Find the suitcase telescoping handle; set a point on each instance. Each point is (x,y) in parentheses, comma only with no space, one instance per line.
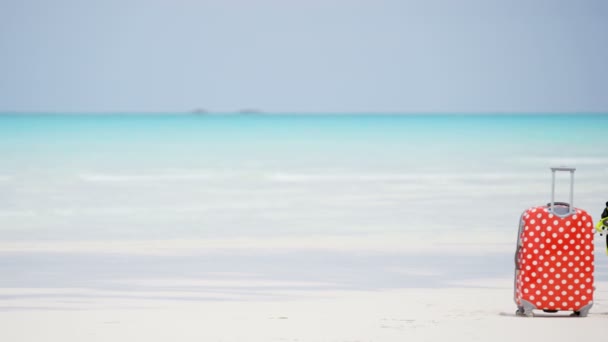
(571,170)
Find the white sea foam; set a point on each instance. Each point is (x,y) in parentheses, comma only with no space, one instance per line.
(245,282)
(561,161)
(296,177)
(149,177)
(401,177)
(465,243)
(7,213)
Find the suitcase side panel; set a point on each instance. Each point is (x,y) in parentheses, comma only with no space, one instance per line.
(555,260)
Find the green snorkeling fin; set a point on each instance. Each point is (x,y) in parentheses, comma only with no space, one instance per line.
(602,225)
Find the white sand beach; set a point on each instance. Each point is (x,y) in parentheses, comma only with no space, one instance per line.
(476,313)
(405,293)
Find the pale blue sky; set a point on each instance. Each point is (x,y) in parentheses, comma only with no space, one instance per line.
(304,55)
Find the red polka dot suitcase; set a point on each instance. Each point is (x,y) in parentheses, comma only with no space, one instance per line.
(554,257)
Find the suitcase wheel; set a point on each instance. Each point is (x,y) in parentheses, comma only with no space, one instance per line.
(521,313)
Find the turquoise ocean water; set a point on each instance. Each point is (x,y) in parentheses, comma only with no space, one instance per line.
(347,199)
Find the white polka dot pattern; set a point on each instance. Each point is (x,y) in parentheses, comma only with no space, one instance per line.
(555,260)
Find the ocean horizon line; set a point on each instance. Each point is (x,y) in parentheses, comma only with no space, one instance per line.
(302,113)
